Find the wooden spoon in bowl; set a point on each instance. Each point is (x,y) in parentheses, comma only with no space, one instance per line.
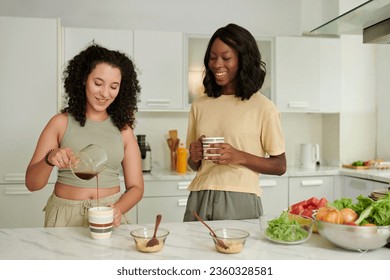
(154,241)
(219,241)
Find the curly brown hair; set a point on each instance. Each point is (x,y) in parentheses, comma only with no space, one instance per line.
(251,70)
(124,107)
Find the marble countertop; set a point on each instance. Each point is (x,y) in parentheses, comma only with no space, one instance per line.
(166,174)
(186,241)
(370,174)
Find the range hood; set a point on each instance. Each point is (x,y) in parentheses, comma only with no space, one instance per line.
(371,19)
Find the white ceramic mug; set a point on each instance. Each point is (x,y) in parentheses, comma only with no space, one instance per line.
(100,221)
(206,145)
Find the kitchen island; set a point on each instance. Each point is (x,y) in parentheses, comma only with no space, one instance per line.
(186,241)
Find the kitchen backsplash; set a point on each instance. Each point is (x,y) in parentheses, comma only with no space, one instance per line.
(298,128)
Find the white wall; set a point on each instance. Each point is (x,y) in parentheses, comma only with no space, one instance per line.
(358,106)
(383,101)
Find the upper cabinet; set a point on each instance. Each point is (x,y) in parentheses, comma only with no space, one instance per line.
(77,39)
(28,89)
(195,46)
(307,74)
(158,57)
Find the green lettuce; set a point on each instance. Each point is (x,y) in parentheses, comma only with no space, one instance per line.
(375,212)
(341,203)
(363,202)
(284,229)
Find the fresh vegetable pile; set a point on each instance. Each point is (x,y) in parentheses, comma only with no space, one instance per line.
(365,212)
(284,229)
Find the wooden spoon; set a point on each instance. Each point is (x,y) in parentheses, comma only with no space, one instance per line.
(154,241)
(219,241)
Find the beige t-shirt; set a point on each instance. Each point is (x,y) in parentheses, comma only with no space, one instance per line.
(250,125)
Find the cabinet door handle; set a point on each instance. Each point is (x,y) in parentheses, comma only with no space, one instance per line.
(312,183)
(16,190)
(182,202)
(298,104)
(14,177)
(158,102)
(268,183)
(183,185)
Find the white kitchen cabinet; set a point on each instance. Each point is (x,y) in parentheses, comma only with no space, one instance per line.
(307,74)
(158,57)
(352,187)
(381,186)
(28,89)
(330,75)
(275,194)
(77,39)
(168,198)
(20,208)
(302,188)
(195,47)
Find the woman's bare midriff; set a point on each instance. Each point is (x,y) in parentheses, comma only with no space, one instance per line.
(77,193)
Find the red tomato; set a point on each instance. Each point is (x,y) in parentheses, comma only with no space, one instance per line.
(307,213)
(322,203)
(311,207)
(296,209)
(313,201)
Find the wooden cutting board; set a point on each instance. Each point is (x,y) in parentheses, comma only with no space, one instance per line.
(355,167)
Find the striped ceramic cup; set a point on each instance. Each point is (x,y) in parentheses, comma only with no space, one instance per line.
(206,141)
(100,221)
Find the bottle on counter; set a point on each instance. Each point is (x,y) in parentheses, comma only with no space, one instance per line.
(181,165)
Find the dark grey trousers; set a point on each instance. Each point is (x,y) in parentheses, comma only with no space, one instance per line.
(222,205)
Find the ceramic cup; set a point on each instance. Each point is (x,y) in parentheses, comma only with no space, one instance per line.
(206,145)
(100,221)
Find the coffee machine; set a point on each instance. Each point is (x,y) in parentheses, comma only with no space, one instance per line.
(146,153)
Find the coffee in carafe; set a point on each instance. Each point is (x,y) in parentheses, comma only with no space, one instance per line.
(89,162)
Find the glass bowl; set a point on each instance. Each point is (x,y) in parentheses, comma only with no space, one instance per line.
(141,236)
(294,230)
(234,239)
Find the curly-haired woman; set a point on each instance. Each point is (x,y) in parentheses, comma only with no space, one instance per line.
(101,90)
(226,186)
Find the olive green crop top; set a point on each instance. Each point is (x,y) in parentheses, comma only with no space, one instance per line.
(104,134)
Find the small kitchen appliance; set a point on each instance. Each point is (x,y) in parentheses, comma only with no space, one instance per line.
(146,153)
(310,156)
